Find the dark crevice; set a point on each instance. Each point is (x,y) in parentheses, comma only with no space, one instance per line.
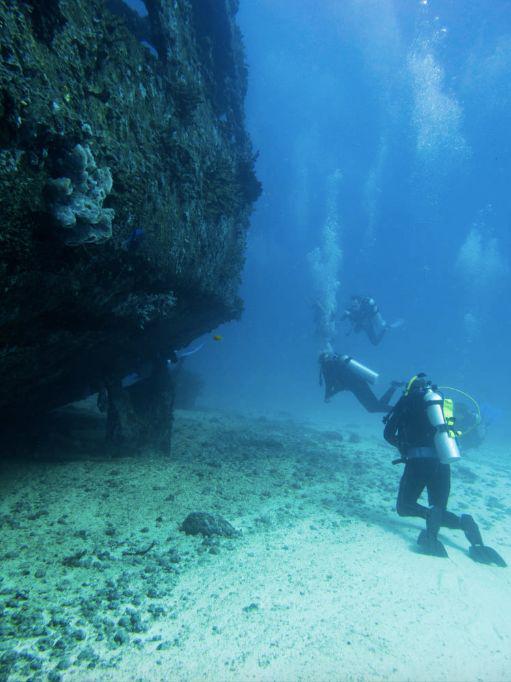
(46,19)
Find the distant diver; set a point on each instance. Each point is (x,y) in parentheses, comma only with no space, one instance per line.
(146,369)
(343,373)
(364,315)
(472,426)
(421,427)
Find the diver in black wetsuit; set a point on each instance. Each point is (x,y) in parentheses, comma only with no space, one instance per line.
(408,428)
(336,371)
(364,315)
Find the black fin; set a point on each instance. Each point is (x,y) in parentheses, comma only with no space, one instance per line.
(486,555)
(471,530)
(430,545)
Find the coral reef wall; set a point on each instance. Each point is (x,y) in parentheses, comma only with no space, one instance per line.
(126,185)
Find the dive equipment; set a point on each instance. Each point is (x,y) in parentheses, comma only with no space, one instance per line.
(445,443)
(360,370)
(478,418)
(448,410)
(419,381)
(471,530)
(486,555)
(478,551)
(431,545)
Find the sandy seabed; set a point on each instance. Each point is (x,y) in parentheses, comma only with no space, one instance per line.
(324,583)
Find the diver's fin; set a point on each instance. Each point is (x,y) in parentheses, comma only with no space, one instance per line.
(431,545)
(486,555)
(471,530)
(396,324)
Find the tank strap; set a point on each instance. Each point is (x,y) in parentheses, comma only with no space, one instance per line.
(447,428)
(433,402)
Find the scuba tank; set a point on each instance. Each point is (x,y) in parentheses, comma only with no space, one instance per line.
(360,370)
(445,442)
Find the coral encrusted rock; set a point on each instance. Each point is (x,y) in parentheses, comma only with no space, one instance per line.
(75,199)
(208,525)
(126,185)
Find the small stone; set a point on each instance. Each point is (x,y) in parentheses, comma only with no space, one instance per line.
(202,523)
(156,610)
(64,663)
(163,646)
(36,664)
(60,644)
(121,637)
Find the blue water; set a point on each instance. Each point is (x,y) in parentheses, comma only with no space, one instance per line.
(392,118)
(384,142)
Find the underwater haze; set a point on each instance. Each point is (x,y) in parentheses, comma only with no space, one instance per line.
(271,541)
(390,119)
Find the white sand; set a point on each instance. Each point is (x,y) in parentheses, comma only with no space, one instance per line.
(324,584)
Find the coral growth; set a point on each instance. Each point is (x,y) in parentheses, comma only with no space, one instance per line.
(107,114)
(142,309)
(76,198)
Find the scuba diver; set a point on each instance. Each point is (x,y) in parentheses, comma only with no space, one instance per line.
(420,425)
(343,373)
(364,315)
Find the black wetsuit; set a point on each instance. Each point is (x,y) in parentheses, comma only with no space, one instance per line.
(338,377)
(408,428)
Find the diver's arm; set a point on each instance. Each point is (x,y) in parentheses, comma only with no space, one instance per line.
(391,425)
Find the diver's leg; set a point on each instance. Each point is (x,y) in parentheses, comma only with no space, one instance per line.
(437,497)
(471,530)
(438,491)
(439,488)
(386,397)
(411,486)
(376,329)
(366,397)
(373,338)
